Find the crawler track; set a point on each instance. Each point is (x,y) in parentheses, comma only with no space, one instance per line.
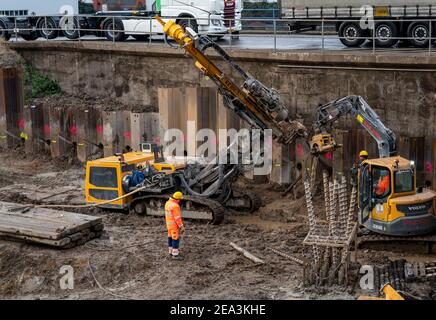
(195,208)
(255,200)
(376,238)
(244,201)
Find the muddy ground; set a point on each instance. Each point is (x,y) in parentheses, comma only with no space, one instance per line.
(130,260)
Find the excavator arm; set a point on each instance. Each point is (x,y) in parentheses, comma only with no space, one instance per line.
(329,113)
(256,103)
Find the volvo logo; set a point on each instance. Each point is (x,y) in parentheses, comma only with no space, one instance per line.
(417,208)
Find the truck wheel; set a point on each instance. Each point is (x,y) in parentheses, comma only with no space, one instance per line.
(30,37)
(418,34)
(112,30)
(47,28)
(351,35)
(141,37)
(71,31)
(386,34)
(191,23)
(4,35)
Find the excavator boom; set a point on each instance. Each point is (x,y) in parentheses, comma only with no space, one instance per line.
(256,103)
(327,114)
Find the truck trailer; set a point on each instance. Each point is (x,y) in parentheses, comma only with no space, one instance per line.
(213,17)
(356,21)
(117,19)
(34,19)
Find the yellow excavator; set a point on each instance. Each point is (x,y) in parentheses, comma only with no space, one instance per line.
(389,200)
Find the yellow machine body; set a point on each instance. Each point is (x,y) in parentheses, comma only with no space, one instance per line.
(322,143)
(390,294)
(104,176)
(401,210)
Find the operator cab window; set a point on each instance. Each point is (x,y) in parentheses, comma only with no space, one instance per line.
(404,181)
(381,182)
(103,177)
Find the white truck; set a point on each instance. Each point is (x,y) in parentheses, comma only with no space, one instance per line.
(33,19)
(214,17)
(356,21)
(116,19)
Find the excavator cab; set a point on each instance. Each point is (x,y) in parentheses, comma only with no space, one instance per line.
(110,178)
(388,199)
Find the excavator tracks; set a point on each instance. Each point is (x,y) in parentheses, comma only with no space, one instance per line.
(429,240)
(244,201)
(195,208)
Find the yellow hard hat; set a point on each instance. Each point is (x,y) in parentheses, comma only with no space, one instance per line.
(177,195)
(363,153)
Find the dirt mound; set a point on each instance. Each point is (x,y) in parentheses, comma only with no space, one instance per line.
(8,57)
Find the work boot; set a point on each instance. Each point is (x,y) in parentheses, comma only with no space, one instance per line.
(177,257)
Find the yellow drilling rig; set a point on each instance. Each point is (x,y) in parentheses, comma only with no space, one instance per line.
(209,187)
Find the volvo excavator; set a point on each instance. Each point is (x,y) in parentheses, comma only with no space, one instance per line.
(208,188)
(399,209)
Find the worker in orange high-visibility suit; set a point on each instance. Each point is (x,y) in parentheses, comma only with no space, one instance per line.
(173,220)
(383,185)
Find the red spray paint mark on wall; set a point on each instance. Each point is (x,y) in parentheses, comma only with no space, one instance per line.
(428,168)
(21,124)
(328,156)
(73,130)
(47,129)
(99,129)
(299,149)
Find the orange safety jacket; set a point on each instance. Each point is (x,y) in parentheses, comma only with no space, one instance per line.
(383,186)
(173,217)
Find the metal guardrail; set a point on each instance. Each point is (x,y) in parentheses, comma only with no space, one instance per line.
(275,38)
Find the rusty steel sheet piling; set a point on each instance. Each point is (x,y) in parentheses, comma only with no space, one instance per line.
(11,106)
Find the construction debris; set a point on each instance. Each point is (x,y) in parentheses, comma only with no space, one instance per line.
(393,273)
(54,228)
(419,270)
(289,257)
(247,254)
(330,238)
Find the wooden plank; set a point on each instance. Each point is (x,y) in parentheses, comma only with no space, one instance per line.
(50,223)
(19,225)
(44,223)
(54,243)
(69,218)
(76,236)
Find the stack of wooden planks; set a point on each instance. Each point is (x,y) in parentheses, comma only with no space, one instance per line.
(60,229)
